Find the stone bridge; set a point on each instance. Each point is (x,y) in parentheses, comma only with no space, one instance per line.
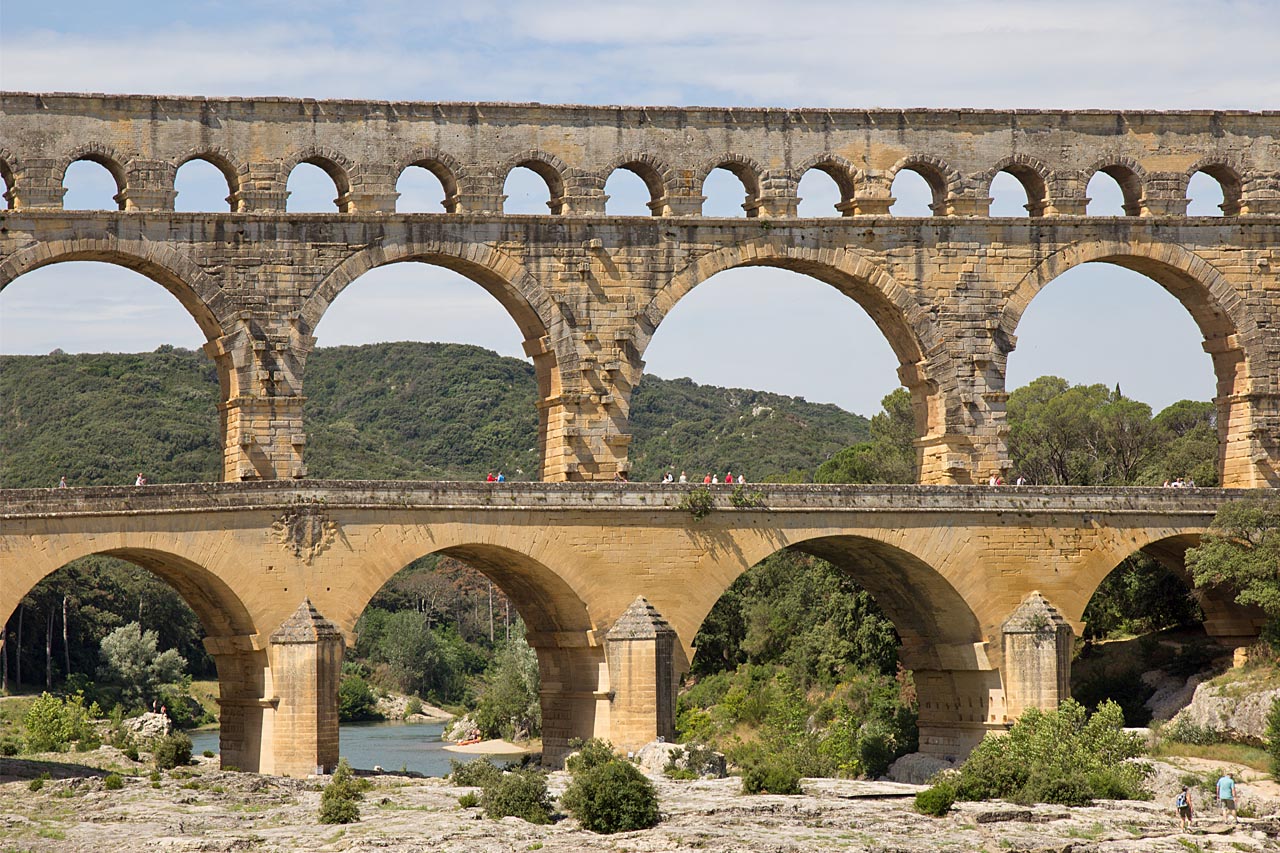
(986,586)
(588,290)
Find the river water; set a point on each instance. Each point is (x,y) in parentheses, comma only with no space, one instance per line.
(390,745)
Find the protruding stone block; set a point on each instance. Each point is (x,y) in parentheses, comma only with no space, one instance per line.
(640,650)
(1037,657)
(306,665)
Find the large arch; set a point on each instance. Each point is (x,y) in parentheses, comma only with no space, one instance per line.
(957,675)
(199,294)
(559,626)
(532,308)
(1230,330)
(1224,618)
(905,324)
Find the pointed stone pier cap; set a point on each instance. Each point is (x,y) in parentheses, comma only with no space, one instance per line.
(306,625)
(640,621)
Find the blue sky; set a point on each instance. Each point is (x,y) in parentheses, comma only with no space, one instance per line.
(1096,324)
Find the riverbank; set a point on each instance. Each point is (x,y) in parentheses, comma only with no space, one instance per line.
(496,746)
(203,808)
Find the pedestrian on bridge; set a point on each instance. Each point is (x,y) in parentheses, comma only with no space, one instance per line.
(62,483)
(141,481)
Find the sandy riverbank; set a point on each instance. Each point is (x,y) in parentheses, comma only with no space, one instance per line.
(496,747)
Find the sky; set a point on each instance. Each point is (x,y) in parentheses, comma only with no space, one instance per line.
(789,333)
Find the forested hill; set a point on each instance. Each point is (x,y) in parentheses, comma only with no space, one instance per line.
(383,411)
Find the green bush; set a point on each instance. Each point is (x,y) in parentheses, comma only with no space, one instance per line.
(171,751)
(588,754)
(412,707)
(612,797)
(113,782)
(208,753)
(340,799)
(37,783)
(774,775)
(356,700)
(469,800)
(1069,788)
(53,724)
(1273,737)
(518,793)
(131,752)
(1185,731)
(1063,756)
(936,801)
(8,746)
(472,774)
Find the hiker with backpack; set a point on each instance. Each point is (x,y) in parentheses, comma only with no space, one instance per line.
(1183,804)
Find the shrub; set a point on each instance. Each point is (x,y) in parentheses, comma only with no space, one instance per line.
(773,775)
(131,752)
(1273,736)
(612,797)
(53,724)
(171,751)
(1185,731)
(936,801)
(412,707)
(208,753)
(588,754)
(37,783)
(518,793)
(472,774)
(356,700)
(8,746)
(113,782)
(340,799)
(1068,788)
(1061,756)
(469,800)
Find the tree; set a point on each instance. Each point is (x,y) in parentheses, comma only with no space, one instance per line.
(1241,549)
(509,705)
(889,454)
(133,664)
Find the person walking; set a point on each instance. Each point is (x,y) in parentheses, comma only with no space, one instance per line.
(62,482)
(141,481)
(491,478)
(1227,797)
(1183,803)
(728,478)
(706,481)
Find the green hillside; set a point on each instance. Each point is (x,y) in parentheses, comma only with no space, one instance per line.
(383,411)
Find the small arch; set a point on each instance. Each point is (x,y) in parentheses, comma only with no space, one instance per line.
(8,171)
(550,168)
(1128,174)
(1030,173)
(655,174)
(106,157)
(447,170)
(1228,176)
(334,164)
(842,172)
(233,172)
(944,182)
(744,169)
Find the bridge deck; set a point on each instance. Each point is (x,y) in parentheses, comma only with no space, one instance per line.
(609,497)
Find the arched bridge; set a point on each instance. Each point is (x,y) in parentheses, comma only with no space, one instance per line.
(588,290)
(986,586)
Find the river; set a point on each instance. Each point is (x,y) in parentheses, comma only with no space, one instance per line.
(393,746)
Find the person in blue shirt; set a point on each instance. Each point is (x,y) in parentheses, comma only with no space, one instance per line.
(1227,796)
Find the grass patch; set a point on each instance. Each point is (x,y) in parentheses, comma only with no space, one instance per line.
(1252,757)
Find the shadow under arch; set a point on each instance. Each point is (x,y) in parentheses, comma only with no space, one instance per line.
(1231,333)
(911,334)
(558,627)
(1224,619)
(956,674)
(199,294)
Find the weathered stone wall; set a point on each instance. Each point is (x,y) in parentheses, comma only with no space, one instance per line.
(588,291)
(949,566)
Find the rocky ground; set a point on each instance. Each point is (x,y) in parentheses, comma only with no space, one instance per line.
(201,808)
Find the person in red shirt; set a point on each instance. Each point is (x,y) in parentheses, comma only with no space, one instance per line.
(491,478)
